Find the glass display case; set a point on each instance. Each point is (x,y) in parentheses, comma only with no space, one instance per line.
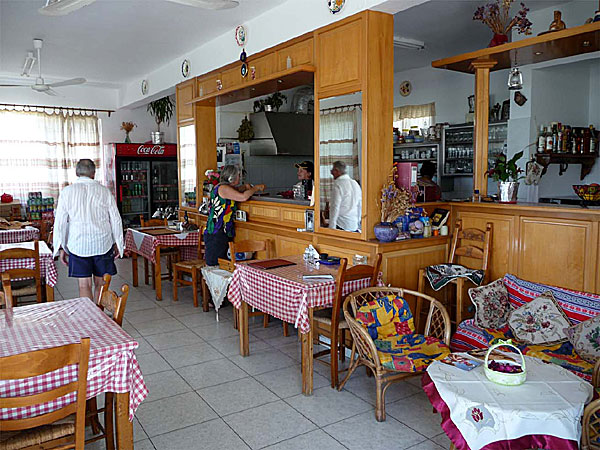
(419,153)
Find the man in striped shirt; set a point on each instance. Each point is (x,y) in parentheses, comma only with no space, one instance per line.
(88,232)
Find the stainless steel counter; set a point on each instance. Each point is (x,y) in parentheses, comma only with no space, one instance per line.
(277,199)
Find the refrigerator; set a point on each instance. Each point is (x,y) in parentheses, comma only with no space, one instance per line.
(143,178)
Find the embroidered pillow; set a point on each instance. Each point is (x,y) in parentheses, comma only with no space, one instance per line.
(539,322)
(585,338)
(492,305)
(386,317)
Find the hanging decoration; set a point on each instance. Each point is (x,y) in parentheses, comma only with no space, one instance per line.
(335,6)
(185,68)
(240,39)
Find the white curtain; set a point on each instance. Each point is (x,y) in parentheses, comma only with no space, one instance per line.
(338,136)
(39,151)
(422,116)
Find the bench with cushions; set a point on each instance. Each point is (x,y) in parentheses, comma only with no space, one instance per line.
(578,307)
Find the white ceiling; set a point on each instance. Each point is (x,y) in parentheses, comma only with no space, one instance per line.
(447,28)
(113,41)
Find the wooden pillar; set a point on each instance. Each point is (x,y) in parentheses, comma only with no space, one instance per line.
(482,110)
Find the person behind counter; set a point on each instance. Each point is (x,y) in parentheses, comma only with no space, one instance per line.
(219,226)
(432,192)
(346,200)
(306,171)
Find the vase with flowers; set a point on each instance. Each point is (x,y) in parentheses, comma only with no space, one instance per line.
(496,15)
(212,179)
(394,203)
(507,174)
(127,127)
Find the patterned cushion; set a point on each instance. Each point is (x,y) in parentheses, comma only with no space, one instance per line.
(410,353)
(386,317)
(585,338)
(578,306)
(492,306)
(541,321)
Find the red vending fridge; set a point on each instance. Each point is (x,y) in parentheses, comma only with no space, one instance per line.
(143,178)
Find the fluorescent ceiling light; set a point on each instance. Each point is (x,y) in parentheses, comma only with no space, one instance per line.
(63,7)
(411,44)
(208,4)
(29,63)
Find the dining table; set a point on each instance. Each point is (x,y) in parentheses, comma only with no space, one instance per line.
(24,234)
(113,366)
(284,293)
(147,242)
(47,265)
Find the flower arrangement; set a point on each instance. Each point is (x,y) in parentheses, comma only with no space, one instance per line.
(506,170)
(212,176)
(127,127)
(394,200)
(496,15)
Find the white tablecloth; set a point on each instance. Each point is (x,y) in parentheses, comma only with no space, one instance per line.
(217,281)
(550,402)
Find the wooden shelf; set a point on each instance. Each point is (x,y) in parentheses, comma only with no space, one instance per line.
(559,44)
(564,159)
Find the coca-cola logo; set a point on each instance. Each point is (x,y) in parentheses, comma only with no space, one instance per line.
(151,150)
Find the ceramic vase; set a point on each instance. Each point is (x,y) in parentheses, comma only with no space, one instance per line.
(498,39)
(386,232)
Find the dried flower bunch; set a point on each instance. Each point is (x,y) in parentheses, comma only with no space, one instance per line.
(394,201)
(127,126)
(496,15)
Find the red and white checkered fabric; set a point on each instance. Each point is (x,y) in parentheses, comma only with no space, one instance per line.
(146,244)
(282,292)
(112,366)
(21,235)
(47,266)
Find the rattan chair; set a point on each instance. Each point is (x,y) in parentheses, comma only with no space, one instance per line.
(43,431)
(590,437)
(191,268)
(171,253)
(364,351)
(29,279)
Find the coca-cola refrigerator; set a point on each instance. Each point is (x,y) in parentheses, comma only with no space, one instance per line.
(143,178)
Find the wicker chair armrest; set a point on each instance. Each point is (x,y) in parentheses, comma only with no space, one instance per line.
(362,340)
(596,375)
(590,424)
(438,323)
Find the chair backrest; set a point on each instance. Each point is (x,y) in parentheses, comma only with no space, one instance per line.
(40,362)
(470,250)
(250,246)
(6,297)
(201,246)
(22,273)
(153,222)
(110,301)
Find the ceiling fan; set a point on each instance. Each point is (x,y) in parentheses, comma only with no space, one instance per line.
(40,85)
(64,7)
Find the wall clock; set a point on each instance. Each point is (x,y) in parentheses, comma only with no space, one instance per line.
(405,88)
(335,6)
(144,87)
(185,68)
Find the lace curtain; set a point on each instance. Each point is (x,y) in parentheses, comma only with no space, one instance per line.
(39,151)
(338,132)
(421,116)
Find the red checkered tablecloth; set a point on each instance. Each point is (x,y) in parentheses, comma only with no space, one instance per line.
(47,266)
(282,292)
(21,235)
(112,366)
(145,244)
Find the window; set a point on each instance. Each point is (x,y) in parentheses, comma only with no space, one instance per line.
(421,116)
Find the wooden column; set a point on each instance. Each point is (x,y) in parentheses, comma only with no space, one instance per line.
(482,110)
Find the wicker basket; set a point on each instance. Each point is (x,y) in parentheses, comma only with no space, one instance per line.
(505,379)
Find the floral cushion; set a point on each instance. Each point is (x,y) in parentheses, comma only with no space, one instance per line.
(585,337)
(386,317)
(410,353)
(492,306)
(541,321)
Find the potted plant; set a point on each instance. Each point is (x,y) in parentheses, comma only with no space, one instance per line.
(394,203)
(162,111)
(507,174)
(496,15)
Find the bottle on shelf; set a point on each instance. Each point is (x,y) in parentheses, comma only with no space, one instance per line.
(548,141)
(541,147)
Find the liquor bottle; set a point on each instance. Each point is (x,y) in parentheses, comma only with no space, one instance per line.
(554,137)
(559,138)
(585,145)
(549,142)
(542,140)
(593,140)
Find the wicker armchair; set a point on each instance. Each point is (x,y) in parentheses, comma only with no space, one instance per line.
(437,325)
(590,438)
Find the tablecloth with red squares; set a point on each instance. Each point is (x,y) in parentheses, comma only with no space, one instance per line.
(145,244)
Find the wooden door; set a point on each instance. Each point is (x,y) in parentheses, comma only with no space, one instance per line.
(300,54)
(263,66)
(232,78)
(184,93)
(207,85)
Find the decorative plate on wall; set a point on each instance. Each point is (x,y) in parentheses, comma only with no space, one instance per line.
(240,35)
(185,68)
(335,6)
(144,87)
(405,88)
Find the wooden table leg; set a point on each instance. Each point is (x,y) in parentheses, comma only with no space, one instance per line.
(243,327)
(157,275)
(124,427)
(307,357)
(49,293)
(134,268)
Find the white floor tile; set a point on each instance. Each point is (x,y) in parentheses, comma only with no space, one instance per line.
(213,435)
(236,396)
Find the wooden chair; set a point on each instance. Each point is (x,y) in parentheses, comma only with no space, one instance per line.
(110,301)
(6,297)
(333,319)
(42,431)
(590,437)
(31,283)
(191,268)
(481,252)
(171,253)
(437,325)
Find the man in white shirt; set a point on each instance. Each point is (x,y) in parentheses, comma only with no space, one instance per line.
(346,200)
(88,231)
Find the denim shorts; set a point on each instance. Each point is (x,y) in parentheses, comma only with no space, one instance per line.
(86,266)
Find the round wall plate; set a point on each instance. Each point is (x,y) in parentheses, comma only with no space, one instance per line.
(240,35)
(185,68)
(244,70)
(144,87)
(335,6)
(405,88)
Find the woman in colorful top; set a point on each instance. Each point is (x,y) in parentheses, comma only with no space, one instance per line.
(219,227)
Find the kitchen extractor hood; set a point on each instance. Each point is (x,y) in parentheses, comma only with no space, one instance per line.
(282,134)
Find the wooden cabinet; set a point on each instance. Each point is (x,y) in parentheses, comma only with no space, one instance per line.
(300,54)
(232,78)
(263,66)
(207,85)
(184,93)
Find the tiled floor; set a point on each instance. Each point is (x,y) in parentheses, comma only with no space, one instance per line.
(203,394)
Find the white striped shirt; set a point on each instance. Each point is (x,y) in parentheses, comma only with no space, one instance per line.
(87,221)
